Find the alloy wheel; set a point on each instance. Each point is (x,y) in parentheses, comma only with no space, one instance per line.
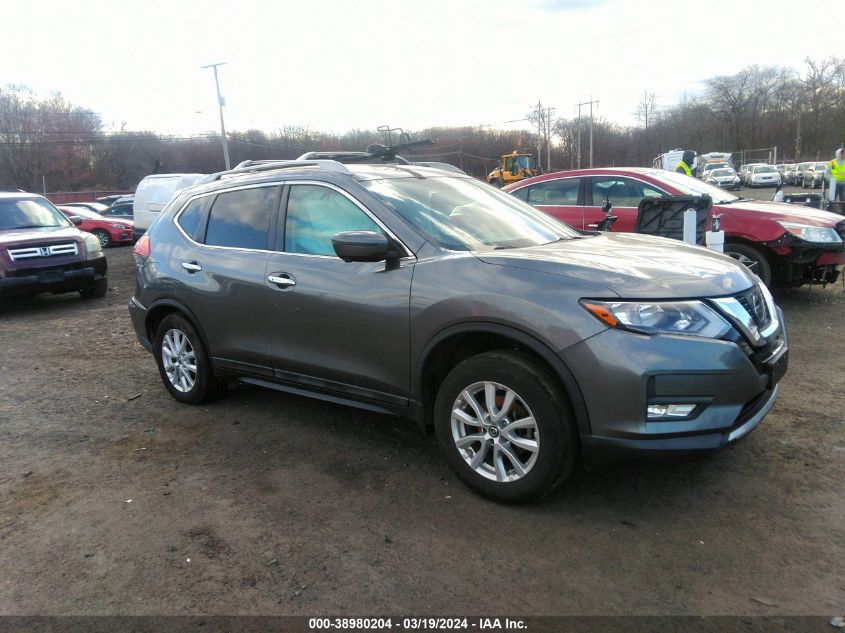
(495,432)
(179,360)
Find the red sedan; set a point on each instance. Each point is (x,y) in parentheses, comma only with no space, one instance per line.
(109,232)
(783,244)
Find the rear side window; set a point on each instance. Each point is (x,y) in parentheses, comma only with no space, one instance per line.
(190,218)
(555,192)
(315,214)
(241,219)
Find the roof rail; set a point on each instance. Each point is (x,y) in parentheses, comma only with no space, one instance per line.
(255,166)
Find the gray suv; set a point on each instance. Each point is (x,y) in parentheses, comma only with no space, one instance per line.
(525,345)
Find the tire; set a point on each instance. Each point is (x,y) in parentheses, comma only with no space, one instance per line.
(97,291)
(104,237)
(546,450)
(500,182)
(751,258)
(187,382)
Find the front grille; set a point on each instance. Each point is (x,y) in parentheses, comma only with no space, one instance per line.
(755,304)
(47,250)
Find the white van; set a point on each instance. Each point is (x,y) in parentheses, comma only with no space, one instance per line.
(153,194)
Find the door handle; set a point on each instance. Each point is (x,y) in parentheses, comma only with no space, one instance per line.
(191,267)
(283,280)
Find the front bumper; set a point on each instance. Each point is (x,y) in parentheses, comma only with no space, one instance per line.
(621,373)
(58,279)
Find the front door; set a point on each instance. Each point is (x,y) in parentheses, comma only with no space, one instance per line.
(624,194)
(342,326)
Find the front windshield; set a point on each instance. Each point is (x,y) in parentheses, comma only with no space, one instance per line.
(464,215)
(765,169)
(821,166)
(714,166)
(523,162)
(29,213)
(722,173)
(692,186)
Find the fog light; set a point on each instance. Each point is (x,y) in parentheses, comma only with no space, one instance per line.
(669,411)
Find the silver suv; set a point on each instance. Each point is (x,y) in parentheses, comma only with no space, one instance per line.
(525,345)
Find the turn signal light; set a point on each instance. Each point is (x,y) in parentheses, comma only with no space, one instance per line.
(601,312)
(142,246)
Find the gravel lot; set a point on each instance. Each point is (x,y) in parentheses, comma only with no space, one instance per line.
(115,499)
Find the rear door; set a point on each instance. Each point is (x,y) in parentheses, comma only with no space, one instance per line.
(562,198)
(624,194)
(220,274)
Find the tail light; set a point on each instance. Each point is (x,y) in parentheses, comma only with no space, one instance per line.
(142,246)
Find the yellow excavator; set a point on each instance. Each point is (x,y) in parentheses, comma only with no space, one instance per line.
(512,168)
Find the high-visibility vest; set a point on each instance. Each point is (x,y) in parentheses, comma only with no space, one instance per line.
(683,168)
(837,170)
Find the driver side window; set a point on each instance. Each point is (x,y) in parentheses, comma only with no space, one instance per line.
(315,214)
(622,192)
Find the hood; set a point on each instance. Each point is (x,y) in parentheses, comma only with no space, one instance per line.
(11,238)
(633,266)
(780,211)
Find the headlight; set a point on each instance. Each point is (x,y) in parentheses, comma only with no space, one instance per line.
(92,244)
(691,318)
(119,226)
(810,233)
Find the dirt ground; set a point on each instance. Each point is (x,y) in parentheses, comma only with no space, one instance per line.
(115,499)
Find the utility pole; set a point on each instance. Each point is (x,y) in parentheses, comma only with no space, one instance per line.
(220,103)
(544,132)
(583,103)
(579,136)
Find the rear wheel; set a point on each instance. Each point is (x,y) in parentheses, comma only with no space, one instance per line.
(104,237)
(753,259)
(504,428)
(183,363)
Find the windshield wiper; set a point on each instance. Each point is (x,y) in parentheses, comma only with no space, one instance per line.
(34,226)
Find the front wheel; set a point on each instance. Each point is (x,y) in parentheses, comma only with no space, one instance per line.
(97,291)
(104,237)
(753,259)
(504,427)
(183,364)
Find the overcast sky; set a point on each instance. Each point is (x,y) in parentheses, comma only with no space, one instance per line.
(335,65)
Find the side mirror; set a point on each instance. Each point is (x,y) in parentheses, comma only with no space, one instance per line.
(362,246)
(75,220)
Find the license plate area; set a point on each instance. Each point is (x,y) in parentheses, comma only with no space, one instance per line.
(51,276)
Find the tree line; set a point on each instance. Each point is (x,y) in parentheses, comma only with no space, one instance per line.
(48,140)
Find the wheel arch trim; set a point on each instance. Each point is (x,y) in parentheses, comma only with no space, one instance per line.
(538,347)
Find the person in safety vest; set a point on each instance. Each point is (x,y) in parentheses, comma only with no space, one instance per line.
(684,166)
(836,168)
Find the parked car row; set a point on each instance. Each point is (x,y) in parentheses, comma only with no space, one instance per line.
(110,231)
(542,316)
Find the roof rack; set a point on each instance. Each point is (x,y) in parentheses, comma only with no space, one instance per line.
(256,166)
